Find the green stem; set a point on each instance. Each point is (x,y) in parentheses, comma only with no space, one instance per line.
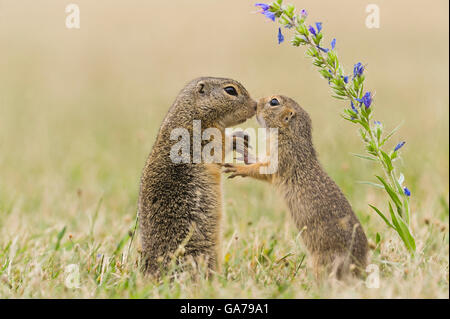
(389,175)
(343,91)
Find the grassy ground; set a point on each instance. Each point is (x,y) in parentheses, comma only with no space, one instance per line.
(79,110)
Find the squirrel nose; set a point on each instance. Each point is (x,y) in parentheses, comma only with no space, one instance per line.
(254,105)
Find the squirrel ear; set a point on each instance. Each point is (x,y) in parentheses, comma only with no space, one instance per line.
(201,87)
(288,115)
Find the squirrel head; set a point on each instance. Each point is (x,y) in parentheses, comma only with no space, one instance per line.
(220,102)
(283,113)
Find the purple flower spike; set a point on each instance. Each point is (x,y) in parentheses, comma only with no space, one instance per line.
(303,13)
(366,99)
(270,15)
(353,107)
(333,44)
(358,69)
(407,191)
(280,36)
(319,26)
(312,30)
(265,10)
(263,6)
(399,146)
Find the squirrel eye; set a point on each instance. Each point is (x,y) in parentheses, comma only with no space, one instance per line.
(231,90)
(274,102)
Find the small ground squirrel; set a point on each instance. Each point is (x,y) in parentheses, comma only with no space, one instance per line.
(329,228)
(180,205)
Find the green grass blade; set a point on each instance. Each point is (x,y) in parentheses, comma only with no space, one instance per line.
(59,237)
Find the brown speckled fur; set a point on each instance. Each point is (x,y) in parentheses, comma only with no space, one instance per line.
(181,204)
(329,228)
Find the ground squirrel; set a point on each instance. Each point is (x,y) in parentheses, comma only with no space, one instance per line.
(329,228)
(180,204)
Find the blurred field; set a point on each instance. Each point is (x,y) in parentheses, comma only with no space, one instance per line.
(79,111)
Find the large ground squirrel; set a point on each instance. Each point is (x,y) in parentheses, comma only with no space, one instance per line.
(180,204)
(329,228)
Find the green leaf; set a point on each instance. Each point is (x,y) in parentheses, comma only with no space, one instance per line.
(406,208)
(371,184)
(351,113)
(363,110)
(312,52)
(403,230)
(276,5)
(377,238)
(289,11)
(382,216)
(301,28)
(378,133)
(325,73)
(398,185)
(394,155)
(348,119)
(387,160)
(390,134)
(363,135)
(298,40)
(371,148)
(390,191)
(369,158)
(365,125)
(318,38)
(340,93)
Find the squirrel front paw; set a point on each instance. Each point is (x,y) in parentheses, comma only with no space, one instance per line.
(235,170)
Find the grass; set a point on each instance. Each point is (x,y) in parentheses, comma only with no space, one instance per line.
(79,111)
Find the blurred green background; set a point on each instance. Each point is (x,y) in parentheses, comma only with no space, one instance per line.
(80,108)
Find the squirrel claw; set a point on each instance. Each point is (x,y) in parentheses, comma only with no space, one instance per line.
(234,170)
(230,170)
(234,175)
